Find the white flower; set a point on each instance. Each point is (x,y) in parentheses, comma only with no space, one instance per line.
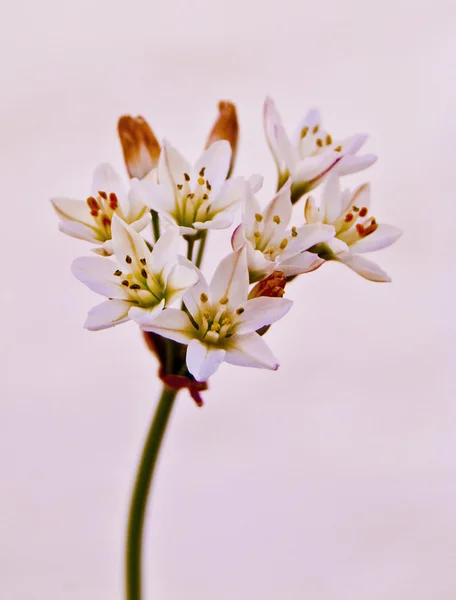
(221,323)
(195,198)
(140,284)
(312,153)
(270,245)
(356,231)
(91,219)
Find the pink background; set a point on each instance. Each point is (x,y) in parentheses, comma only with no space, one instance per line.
(332,478)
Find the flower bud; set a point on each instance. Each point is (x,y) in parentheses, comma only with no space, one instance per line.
(140,147)
(271,287)
(226,127)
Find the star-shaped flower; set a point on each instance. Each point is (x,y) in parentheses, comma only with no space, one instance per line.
(195,198)
(220,322)
(140,284)
(312,153)
(357,231)
(271,245)
(91,220)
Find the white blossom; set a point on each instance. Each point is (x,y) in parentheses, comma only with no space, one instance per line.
(357,231)
(91,220)
(271,245)
(194,198)
(140,284)
(312,153)
(220,322)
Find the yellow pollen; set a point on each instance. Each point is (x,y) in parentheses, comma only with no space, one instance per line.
(204,297)
(283,244)
(329,140)
(240,310)
(294,232)
(257,234)
(270,250)
(319,142)
(304,132)
(215,327)
(276,219)
(207,315)
(338,149)
(201,181)
(258,217)
(315,129)
(226,322)
(224,300)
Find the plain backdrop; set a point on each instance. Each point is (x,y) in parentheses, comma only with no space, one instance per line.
(333,478)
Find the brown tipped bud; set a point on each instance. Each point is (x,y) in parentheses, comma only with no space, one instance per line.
(226,127)
(271,287)
(140,147)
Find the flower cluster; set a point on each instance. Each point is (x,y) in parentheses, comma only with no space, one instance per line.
(193,326)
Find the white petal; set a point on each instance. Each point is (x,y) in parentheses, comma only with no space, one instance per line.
(260,312)
(281,207)
(164,253)
(192,298)
(336,246)
(301,263)
(238,237)
(142,222)
(331,199)
(256,182)
(107,314)
(229,196)
(144,316)
(250,207)
(172,166)
(383,236)
(157,196)
(231,279)
(259,266)
(216,162)
(106,179)
(126,242)
(73,210)
(362,266)
(179,280)
(171,323)
(313,167)
(311,211)
(250,350)
(352,164)
(361,197)
(220,221)
(79,231)
(271,119)
(311,119)
(98,274)
(307,236)
(203,361)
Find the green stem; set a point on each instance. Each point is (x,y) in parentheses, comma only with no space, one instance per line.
(202,244)
(141,492)
(190,244)
(155,224)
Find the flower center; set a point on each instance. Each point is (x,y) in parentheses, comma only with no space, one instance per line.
(193,202)
(144,288)
(217,321)
(313,141)
(102,209)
